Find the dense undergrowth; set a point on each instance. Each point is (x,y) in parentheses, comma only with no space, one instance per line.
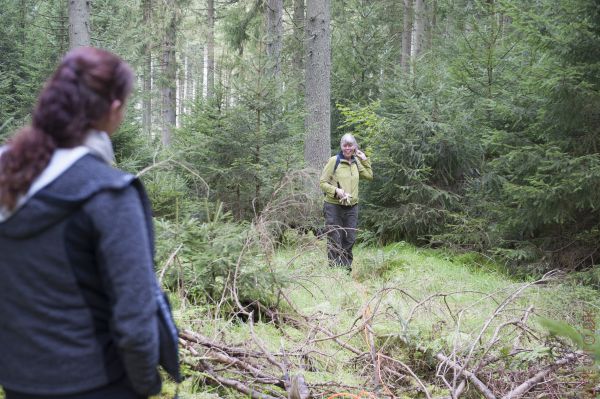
(375,332)
(407,305)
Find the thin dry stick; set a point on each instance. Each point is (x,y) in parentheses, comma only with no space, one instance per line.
(236,272)
(149,168)
(445,360)
(169,262)
(333,337)
(171,160)
(192,337)
(237,385)
(494,340)
(459,389)
(330,335)
(355,330)
(235,362)
(196,338)
(377,383)
(195,174)
(524,319)
(264,350)
(533,381)
(409,370)
(222,357)
(477,383)
(498,310)
(444,295)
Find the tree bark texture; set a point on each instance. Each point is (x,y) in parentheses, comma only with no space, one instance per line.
(406,36)
(181,75)
(199,83)
(147,74)
(168,82)
(23,24)
(210,51)
(317,145)
(298,21)
(274,11)
(79,23)
(432,26)
(419,30)
(189,81)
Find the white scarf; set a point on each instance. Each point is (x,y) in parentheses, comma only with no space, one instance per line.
(97,143)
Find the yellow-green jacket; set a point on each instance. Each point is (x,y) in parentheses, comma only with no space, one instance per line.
(346,175)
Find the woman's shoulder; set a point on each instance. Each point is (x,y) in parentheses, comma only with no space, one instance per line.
(332,159)
(88,176)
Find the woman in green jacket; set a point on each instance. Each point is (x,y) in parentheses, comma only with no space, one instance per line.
(339,182)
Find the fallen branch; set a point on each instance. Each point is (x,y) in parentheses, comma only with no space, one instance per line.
(477,383)
(533,381)
(237,385)
(409,372)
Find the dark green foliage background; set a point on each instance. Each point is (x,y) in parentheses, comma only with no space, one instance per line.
(490,143)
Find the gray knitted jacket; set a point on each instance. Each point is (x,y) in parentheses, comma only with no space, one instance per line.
(78,303)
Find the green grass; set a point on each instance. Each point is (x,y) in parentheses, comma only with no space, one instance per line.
(407,272)
(389,282)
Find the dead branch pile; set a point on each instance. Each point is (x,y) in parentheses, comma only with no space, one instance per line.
(500,361)
(503,357)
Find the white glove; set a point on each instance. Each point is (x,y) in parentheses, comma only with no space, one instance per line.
(345,200)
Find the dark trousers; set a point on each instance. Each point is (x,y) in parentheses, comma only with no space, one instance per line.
(117,390)
(340,222)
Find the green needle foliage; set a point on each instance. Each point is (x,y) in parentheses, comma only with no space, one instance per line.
(484,137)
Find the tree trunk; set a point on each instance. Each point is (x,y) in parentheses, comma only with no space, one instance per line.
(23,24)
(406,36)
(218,91)
(432,24)
(199,84)
(168,82)
(298,21)
(274,10)
(181,75)
(147,74)
(210,52)
(62,31)
(317,145)
(189,80)
(419,31)
(257,185)
(79,23)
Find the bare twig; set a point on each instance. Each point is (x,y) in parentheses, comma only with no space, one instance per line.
(411,372)
(533,381)
(168,262)
(231,383)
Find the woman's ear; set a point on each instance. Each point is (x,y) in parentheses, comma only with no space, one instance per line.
(115,105)
(114,117)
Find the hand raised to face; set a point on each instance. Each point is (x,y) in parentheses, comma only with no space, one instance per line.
(360,154)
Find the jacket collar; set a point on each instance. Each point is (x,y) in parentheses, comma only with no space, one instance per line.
(97,143)
(340,157)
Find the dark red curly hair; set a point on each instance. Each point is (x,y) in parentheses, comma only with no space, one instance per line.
(77,95)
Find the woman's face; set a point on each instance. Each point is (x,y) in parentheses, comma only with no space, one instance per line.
(113,118)
(348,149)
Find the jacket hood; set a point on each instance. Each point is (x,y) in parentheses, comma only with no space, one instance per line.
(49,200)
(61,160)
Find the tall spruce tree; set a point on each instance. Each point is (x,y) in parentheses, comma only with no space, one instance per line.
(318,83)
(79,23)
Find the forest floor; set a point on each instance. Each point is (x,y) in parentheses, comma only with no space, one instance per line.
(406,323)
